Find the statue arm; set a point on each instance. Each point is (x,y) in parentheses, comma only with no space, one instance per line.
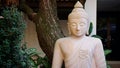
(57,57)
(99,55)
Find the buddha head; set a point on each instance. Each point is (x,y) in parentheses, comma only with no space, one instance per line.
(78,21)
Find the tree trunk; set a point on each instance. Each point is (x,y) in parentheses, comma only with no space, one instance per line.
(47,28)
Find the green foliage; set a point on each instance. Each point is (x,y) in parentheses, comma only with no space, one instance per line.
(107,51)
(97,36)
(11,34)
(90,28)
(90,31)
(35,60)
(14,54)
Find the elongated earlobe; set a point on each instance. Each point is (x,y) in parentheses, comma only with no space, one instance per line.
(87,33)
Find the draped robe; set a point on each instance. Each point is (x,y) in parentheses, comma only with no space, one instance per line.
(84,53)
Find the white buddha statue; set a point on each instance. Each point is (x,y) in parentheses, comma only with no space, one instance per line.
(78,50)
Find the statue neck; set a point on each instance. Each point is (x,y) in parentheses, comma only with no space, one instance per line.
(77,37)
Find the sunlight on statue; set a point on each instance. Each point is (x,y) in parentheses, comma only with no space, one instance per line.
(78,50)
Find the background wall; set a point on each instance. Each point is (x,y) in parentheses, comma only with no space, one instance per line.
(91,9)
(30,36)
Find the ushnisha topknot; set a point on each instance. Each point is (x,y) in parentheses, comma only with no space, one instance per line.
(78,5)
(78,12)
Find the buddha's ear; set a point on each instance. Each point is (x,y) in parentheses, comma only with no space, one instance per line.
(69,32)
(87,32)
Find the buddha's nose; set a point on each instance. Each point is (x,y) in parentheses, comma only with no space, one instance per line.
(78,27)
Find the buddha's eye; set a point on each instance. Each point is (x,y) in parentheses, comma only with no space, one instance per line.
(73,25)
(82,24)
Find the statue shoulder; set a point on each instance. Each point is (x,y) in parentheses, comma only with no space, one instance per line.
(95,39)
(61,40)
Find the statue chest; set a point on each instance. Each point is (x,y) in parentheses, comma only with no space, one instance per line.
(82,50)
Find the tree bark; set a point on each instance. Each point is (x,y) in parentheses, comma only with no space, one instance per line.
(47,27)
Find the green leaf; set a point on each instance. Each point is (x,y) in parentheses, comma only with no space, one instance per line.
(30,50)
(97,36)
(107,51)
(108,66)
(32,63)
(90,28)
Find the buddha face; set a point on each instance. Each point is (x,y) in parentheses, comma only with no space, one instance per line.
(78,27)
